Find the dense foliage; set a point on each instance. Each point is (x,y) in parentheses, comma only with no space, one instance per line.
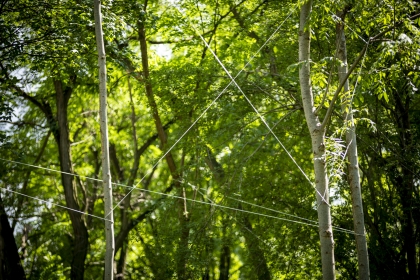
(227,199)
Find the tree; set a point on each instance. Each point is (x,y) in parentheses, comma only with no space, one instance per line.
(351,150)
(317,132)
(106,173)
(228,202)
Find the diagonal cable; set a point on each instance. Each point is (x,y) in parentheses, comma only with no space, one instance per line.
(55,204)
(258,113)
(207,108)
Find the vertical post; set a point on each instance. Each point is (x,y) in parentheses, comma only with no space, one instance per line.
(106,173)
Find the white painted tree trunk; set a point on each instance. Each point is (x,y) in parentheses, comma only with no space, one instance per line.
(106,173)
(317,132)
(353,163)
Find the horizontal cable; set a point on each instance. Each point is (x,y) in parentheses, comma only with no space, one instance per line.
(313,223)
(164,194)
(55,204)
(294,216)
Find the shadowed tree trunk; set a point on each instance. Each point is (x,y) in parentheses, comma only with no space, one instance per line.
(60,129)
(62,138)
(10,265)
(256,254)
(403,177)
(224,263)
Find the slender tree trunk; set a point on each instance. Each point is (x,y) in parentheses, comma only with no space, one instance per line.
(81,241)
(106,173)
(60,129)
(10,265)
(317,132)
(224,266)
(122,261)
(353,163)
(183,250)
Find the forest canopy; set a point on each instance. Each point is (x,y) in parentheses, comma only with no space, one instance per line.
(247,139)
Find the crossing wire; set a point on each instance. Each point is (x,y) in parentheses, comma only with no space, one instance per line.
(55,204)
(207,108)
(252,105)
(163,194)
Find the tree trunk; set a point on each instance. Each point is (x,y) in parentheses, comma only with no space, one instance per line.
(317,132)
(183,250)
(224,266)
(353,163)
(79,228)
(122,261)
(10,265)
(106,173)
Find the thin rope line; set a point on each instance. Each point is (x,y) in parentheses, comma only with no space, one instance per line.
(156,192)
(274,217)
(273,210)
(249,203)
(258,113)
(54,170)
(269,209)
(55,204)
(117,184)
(122,185)
(294,216)
(208,107)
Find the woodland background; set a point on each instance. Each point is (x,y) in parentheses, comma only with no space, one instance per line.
(227,201)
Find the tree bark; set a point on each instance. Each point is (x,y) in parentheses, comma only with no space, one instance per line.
(79,227)
(183,250)
(10,265)
(317,133)
(353,162)
(106,173)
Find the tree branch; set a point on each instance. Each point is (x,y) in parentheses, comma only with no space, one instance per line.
(340,87)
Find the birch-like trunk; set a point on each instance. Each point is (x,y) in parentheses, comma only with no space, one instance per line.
(317,132)
(353,163)
(106,173)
